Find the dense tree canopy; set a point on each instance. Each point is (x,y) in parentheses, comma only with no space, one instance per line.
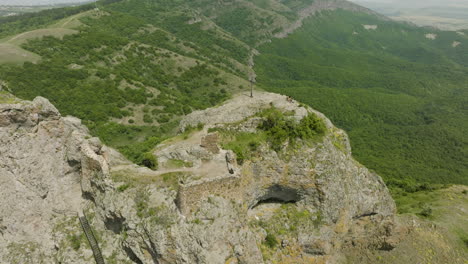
(401,96)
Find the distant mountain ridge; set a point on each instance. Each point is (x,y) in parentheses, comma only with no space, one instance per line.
(41,2)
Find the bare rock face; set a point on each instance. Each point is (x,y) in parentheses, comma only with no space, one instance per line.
(42,162)
(31,148)
(301,204)
(345,203)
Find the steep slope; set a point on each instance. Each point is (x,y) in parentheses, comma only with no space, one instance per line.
(11,51)
(136,66)
(44,159)
(437,232)
(399,90)
(304,201)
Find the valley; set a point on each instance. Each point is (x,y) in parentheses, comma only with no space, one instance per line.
(396,91)
(444,15)
(159,143)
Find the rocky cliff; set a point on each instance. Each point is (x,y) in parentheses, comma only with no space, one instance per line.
(209,202)
(43,160)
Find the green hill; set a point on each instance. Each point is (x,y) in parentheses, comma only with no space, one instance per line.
(401,92)
(129,69)
(133,67)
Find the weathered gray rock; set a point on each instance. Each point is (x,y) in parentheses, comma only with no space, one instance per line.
(215,215)
(208,210)
(41,168)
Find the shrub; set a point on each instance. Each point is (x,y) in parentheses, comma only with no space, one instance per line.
(426,211)
(147,118)
(253,145)
(134,152)
(465,241)
(281,129)
(271,241)
(410,186)
(147,159)
(240,155)
(123,187)
(75,242)
(200,126)
(163,119)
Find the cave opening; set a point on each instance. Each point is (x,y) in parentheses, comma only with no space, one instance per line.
(278,194)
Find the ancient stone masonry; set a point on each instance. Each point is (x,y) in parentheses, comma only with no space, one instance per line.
(210,142)
(191,195)
(227,185)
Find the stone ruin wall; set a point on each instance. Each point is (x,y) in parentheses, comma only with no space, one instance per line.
(191,195)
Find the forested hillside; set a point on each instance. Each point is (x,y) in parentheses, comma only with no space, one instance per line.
(401,92)
(129,69)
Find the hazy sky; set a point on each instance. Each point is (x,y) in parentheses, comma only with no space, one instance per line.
(37,2)
(415,3)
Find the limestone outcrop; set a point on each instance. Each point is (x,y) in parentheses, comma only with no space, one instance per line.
(293,204)
(43,159)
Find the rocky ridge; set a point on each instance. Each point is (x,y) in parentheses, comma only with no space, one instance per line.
(43,159)
(323,5)
(298,205)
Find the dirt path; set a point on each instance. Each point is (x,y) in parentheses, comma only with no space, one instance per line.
(207,170)
(68,21)
(20,35)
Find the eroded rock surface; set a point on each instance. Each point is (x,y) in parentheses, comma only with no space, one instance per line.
(42,160)
(299,204)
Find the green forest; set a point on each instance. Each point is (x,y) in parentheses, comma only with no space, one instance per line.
(135,67)
(121,68)
(401,97)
